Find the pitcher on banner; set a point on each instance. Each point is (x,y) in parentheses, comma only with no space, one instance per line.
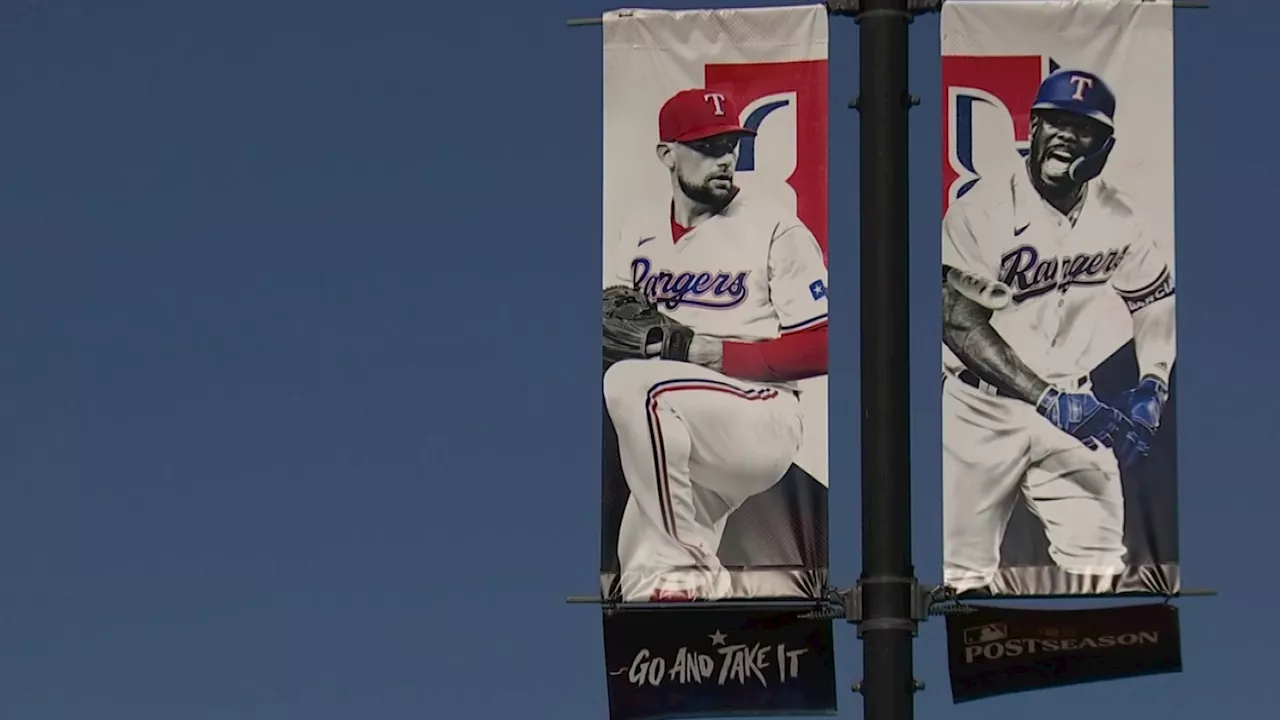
(714,418)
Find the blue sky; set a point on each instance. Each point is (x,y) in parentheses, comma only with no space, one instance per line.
(300,411)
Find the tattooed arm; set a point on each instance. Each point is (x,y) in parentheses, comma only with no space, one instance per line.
(967,332)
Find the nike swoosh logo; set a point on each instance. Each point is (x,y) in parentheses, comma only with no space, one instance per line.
(644,240)
(1019,231)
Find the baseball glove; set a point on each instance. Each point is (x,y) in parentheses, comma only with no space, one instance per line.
(635,329)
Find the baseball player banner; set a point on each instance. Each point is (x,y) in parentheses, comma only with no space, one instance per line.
(723,663)
(999,651)
(715,305)
(1058,382)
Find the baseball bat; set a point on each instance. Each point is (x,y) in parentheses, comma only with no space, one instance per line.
(987,293)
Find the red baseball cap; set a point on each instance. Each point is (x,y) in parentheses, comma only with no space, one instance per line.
(698,113)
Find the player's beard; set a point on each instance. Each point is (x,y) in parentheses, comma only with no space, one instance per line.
(704,194)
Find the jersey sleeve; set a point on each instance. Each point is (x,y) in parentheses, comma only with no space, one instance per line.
(1144,275)
(797,278)
(962,229)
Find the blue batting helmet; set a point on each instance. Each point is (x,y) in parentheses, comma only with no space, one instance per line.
(1085,94)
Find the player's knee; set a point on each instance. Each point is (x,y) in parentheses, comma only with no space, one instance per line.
(623,386)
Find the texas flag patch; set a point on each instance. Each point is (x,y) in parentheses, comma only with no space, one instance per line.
(818,289)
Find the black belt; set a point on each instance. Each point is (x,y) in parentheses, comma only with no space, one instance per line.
(969,378)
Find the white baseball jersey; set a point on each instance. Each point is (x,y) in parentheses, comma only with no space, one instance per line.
(1064,278)
(752,272)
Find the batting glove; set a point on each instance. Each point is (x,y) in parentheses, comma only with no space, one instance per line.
(1083,416)
(1145,403)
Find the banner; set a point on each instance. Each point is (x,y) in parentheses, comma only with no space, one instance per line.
(1058,383)
(715,213)
(1000,651)
(719,663)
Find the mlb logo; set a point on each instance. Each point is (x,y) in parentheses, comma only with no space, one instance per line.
(990,632)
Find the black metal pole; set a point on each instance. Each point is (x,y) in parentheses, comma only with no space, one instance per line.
(888,586)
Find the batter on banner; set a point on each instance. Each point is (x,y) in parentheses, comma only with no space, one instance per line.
(1019,417)
(708,422)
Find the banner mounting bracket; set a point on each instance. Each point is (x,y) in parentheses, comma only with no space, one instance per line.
(922,600)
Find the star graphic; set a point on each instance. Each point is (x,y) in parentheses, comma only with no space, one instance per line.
(717,638)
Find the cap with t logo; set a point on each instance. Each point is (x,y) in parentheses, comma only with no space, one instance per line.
(696,114)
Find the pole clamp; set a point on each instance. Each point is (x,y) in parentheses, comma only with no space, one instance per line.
(854,9)
(922,599)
